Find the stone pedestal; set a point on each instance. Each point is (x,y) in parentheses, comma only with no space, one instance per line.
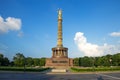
(59,58)
(59,62)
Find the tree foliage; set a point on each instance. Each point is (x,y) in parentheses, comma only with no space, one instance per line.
(19,59)
(29,61)
(108,60)
(76,62)
(42,61)
(4,61)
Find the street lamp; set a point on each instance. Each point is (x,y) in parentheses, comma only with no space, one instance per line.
(93,64)
(24,63)
(110,61)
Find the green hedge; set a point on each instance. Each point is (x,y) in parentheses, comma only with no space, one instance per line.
(22,69)
(95,69)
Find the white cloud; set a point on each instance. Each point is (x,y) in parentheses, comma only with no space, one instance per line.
(90,49)
(9,23)
(115,34)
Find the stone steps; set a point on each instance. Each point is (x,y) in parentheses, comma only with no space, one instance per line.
(58,70)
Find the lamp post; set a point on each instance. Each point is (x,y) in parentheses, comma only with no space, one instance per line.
(24,63)
(93,64)
(110,62)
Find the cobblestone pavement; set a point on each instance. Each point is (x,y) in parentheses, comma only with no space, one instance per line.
(42,76)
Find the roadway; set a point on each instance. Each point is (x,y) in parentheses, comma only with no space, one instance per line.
(5,75)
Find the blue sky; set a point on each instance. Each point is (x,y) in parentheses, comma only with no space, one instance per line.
(35,28)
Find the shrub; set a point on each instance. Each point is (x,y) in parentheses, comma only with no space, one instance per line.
(95,69)
(22,69)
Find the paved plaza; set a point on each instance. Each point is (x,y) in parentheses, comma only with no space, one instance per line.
(58,76)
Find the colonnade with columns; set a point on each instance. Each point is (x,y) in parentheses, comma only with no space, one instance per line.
(63,52)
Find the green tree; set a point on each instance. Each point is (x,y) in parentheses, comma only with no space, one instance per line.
(76,62)
(29,61)
(87,61)
(42,61)
(19,59)
(109,58)
(36,61)
(1,59)
(116,59)
(11,63)
(98,61)
(4,61)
